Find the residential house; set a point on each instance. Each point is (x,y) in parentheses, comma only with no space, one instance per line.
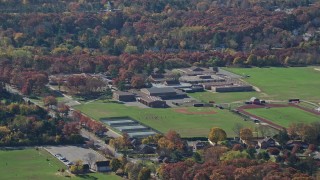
(266,143)
(255,100)
(199,145)
(146,149)
(290,144)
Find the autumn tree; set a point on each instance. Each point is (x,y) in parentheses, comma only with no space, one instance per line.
(246,134)
(133,170)
(214,153)
(63,109)
(77,168)
(152,139)
(137,81)
(165,143)
(4,131)
(175,139)
(217,134)
(50,101)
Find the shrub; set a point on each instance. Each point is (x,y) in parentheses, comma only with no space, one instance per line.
(273,151)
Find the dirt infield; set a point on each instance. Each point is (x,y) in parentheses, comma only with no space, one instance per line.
(186,111)
(276,126)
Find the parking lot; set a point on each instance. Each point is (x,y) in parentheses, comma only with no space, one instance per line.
(70,154)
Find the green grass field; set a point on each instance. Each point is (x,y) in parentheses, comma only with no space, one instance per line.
(266,79)
(195,125)
(30,164)
(284,116)
(284,83)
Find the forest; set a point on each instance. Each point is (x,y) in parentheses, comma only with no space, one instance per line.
(125,38)
(24,123)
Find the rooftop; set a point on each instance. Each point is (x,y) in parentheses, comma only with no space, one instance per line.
(160,90)
(142,134)
(123,93)
(151,98)
(102,163)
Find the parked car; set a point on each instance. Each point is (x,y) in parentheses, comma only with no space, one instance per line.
(57,155)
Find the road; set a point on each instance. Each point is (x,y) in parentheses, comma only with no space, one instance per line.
(97,141)
(26,99)
(68,100)
(228,73)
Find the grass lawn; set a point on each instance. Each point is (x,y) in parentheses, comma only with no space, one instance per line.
(195,125)
(30,164)
(284,116)
(284,83)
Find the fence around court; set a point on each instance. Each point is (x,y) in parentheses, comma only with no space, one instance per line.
(130,118)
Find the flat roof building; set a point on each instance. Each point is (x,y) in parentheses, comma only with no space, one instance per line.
(164,92)
(193,71)
(232,88)
(204,78)
(124,96)
(152,101)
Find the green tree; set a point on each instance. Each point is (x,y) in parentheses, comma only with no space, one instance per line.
(144,174)
(115,164)
(196,157)
(282,137)
(263,155)
(131,49)
(230,155)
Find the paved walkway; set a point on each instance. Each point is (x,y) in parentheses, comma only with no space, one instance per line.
(97,141)
(228,73)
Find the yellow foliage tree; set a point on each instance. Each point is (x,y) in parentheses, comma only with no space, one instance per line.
(217,134)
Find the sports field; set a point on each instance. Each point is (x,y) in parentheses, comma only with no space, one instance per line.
(188,125)
(284,83)
(30,164)
(225,97)
(284,116)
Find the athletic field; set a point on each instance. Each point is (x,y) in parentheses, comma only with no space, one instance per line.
(283,83)
(31,164)
(284,116)
(189,122)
